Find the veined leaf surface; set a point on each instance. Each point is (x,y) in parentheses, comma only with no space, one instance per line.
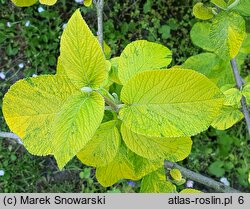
(126,165)
(156,182)
(200,36)
(51,116)
(220,3)
(172,149)
(210,65)
(76,124)
(227,118)
(243,7)
(24,3)
(103,147)
(81,55)
(170,103)
(202,12)
(227,34)
(142,55)
(30,106)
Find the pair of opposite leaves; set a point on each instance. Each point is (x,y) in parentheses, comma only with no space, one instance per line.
(27,3)
(53,116)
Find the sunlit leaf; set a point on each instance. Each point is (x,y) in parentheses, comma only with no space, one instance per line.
(233,97)
(211,66)
(243,7)
(170,103)
(227,34)
(142,55)
(156,182)
(200,36)
(24,3)
(190,191)
(81,54)
(220,3)
(202,12)
(51,116)
(176,174)
(103,146)
(48,2)
(126,165)
(87,3)
(227,118)
(172,149)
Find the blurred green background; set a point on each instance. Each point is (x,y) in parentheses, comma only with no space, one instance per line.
(29,46)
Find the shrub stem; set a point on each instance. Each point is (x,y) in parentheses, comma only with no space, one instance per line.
(99,6)
(239,82)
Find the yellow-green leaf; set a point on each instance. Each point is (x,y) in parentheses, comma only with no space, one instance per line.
(126,165)
(227,118)
(233,97)
(107,50)
(103,147)
(59,67)
(202,12)
(48,2)
(176,174)
(87,3)
(24,3)
(113,74)
(51,116)
(190,191)
(81,54)
(200,36)
(243,7)
(220,3)
(227,34)
(76,124)
(156,182)
(211,66)
(245,48)
(170,103)
(30,107)
(142,55)
(172,149)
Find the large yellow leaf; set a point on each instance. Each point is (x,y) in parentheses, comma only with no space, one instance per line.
(75,125)
(172,149)
(51,116)
(142,55)
(227,34)
(156,182)
(48,2)
(31,116)
(81,55)
(170,103)
(126,165)
(103,147)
